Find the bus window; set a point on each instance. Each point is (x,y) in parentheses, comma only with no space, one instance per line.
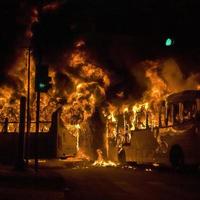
(152,119)
(181,109)
(176,116)
(198,104)
(178,113)
(162,118)
(141,120)
(170,115)
(186,112)
(193,110)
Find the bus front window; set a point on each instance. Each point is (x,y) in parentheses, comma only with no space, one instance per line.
(170,115)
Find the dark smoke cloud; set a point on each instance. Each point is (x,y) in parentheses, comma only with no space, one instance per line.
(14,19)
(118,35)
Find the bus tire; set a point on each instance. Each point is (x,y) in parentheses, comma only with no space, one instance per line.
(122,157)
(177,157)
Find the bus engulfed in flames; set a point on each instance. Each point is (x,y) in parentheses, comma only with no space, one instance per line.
(79,88)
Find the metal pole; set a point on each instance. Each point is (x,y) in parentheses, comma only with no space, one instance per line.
(106,137)
(20,159)
(37,130)
(28,106)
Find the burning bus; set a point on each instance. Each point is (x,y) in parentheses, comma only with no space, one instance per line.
(82,91)
(171,135)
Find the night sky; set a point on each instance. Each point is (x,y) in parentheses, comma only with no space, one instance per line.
(118,34)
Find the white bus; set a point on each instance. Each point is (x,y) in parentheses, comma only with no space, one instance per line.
(175,140)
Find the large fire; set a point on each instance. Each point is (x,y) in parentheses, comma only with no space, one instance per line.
(88,89)
(85,89)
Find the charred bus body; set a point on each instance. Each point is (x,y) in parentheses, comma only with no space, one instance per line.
(174,140)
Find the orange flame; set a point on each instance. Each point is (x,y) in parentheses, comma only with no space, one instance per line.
(51,6)
(100,162)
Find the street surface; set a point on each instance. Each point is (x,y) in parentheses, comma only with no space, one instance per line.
(138,184)
(100,183)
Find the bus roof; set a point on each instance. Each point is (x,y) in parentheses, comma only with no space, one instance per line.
(187,95)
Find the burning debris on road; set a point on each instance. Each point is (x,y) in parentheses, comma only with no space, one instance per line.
(100,162)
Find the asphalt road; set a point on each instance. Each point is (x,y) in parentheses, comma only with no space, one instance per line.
(98,183)
(20,185)
(124,184)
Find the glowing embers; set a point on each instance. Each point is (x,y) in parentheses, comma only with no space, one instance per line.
(80,156)
(100,162)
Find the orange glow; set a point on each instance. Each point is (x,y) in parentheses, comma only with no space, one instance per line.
(51,6)
(100,162)
(34,15)
(80,43)
(143,114)
(78,100)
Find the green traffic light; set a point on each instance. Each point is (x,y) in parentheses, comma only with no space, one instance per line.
(168,42)
(42,85)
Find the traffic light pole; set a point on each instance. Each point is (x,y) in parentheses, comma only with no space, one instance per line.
(28,107)
(37,131)
(42,84)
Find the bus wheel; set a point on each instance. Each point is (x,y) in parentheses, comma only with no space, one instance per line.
(122,156)
(177,157)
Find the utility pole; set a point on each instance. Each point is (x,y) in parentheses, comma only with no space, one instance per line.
(42,84)
(37,131)
(28,106)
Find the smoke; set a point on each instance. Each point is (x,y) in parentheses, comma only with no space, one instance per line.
(53,30)
(173,76)
(175,79)
(17,18)
(121,55)
(13,19)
